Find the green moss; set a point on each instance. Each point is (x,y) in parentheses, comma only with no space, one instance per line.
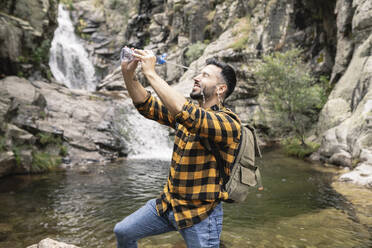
(43,162)
(242,32)
(178,6)
(194,51)
(293,147)
(240,43)
(48,138)
(41,53)
(68,3)
(63,151)
(320,59)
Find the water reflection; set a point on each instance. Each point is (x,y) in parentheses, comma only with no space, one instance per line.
(298,208)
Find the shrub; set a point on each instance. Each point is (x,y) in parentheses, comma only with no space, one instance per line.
(42,162)
(293,147)
(290,92)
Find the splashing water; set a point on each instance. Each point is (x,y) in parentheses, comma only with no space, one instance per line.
(146,139)
(69,61)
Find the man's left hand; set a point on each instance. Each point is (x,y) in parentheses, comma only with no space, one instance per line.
(148,60)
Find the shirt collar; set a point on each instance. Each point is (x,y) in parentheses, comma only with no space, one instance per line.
(215,108)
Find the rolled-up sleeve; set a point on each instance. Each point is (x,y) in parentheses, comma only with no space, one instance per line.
(218,126)
(153,109)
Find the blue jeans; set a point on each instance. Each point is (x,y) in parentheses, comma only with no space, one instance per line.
(146,222)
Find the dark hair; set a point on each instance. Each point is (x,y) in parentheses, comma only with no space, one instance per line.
(227,73)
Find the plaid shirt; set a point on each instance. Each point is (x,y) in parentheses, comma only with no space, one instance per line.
(194,185)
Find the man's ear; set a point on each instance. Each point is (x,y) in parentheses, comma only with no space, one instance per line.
(222,89)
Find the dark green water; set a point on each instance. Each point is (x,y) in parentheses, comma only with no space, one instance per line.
(298,208)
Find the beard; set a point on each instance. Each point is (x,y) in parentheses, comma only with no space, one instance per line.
(196,95)
(201,94)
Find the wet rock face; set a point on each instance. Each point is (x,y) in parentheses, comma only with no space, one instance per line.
(26,32)
(74,125)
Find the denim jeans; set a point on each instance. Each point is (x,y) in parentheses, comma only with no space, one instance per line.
(146,222)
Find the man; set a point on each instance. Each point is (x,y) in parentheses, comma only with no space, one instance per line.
(191,199)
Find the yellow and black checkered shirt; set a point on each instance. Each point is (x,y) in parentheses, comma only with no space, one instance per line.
(194,185)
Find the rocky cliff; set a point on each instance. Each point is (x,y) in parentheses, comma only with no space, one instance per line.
(26,32)
(346,120)
(334,35)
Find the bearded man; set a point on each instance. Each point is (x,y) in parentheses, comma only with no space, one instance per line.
(190,202)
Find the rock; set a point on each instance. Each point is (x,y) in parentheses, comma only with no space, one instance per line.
(80,127)
(7,163)
(5,231)
(344,122)
(19,136)
(362,175)
(342,158)
(26,27)
(50,243)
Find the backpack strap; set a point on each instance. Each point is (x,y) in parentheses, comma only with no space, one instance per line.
(256,146)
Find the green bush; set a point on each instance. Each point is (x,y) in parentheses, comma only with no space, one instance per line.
(194,51)
(43,162)
(293,147)
(291,93)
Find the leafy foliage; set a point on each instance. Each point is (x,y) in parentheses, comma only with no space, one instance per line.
(290,92)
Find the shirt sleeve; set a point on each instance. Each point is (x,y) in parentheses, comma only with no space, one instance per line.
(217,126)
(153,109)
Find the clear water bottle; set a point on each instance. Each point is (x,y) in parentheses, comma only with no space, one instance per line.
(126,55)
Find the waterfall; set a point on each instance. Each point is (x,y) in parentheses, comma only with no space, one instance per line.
(146,139)
(69,61)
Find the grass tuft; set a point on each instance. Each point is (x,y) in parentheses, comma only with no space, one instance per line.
(293,147)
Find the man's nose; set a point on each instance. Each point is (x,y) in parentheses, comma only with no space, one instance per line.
(197,78)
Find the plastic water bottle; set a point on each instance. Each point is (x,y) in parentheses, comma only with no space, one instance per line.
(126,55)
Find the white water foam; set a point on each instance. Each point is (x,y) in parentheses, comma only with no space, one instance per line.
(146,139)
(69,61)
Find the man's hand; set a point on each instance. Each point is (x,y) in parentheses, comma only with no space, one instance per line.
(148,60)
(135,89)
(128,69)
(172,99)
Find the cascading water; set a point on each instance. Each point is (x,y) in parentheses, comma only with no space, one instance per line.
(145,138)
(69,61)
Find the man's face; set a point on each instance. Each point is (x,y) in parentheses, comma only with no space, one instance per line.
(206,82)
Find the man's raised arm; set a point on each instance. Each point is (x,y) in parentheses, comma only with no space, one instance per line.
(136,91)
(172,99)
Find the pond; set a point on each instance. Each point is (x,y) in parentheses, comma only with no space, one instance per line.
(298,207)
